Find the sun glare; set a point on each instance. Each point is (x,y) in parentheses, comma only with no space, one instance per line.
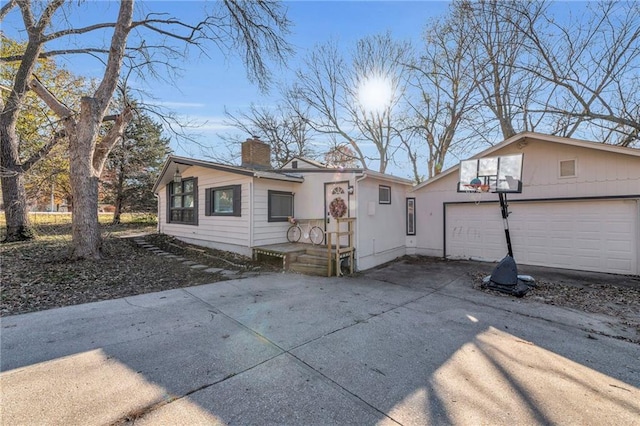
(375,93)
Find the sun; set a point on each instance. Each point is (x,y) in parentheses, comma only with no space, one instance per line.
(375,93)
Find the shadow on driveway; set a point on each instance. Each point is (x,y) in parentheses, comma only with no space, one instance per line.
(404,344)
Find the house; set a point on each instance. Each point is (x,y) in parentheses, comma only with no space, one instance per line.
(579,208)
(246,208)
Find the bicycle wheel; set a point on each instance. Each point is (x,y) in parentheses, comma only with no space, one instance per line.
(293,233)
(316,235)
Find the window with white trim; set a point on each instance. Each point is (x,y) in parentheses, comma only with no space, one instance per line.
(411,216)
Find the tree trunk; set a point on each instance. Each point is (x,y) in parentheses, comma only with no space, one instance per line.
(85,228)
(117,212)
(15,210)
(14,195)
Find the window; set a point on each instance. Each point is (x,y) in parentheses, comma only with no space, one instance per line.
(280,206)
(411,216)
(294,164)
(223,201)
(182,206)
(568,168)
(384,194)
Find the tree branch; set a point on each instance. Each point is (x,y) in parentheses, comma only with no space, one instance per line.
(60,109)
(7,8)
(110,139)
(116,52)
(74,31)
(42,152)
(50,53)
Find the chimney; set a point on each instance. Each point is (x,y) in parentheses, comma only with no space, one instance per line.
(256,154)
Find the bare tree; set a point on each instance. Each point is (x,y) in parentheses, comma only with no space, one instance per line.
(591,65)
(252,26)
(445,88)
(340,155)
(356,100)
(497,48)
(288,134)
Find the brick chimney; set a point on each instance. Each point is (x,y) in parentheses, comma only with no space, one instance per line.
(256,154)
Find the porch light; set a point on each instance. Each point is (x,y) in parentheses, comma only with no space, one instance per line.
(350,190)
(177,177)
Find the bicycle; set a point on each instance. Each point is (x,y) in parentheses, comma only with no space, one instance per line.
(315,234)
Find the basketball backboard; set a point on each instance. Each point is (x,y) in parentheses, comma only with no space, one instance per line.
(494,174)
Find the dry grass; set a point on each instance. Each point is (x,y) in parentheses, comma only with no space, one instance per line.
(37,274)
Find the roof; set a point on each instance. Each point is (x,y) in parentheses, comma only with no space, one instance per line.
(323,168)
(306,160)
(384,176)
(523,137)
(174,162)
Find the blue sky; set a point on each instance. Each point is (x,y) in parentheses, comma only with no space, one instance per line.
(209,84)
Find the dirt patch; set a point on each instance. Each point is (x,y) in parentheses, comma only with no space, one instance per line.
(37,275)
(619,301)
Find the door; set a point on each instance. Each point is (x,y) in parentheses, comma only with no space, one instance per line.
(336,204)
(589,235)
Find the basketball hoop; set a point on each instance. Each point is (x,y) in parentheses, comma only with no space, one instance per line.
(475,190)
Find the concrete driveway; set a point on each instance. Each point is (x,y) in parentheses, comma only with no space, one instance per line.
(406,344)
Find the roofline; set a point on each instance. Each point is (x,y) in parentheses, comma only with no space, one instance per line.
(308,161)
(520,137)
(264,174)
(384,176)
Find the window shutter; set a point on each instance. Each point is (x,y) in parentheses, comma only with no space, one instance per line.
(208,193)
(237,205)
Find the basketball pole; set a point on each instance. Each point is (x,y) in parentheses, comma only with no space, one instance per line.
(504,207)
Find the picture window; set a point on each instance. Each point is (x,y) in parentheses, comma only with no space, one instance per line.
(224,201)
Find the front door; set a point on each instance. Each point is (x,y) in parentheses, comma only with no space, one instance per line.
(336,205)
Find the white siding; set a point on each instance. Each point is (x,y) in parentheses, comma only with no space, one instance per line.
(599,174)
(265,232)
(222,232)
(380,228)
(596,236)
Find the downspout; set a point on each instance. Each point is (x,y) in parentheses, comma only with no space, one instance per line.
(158,212)
(251,214)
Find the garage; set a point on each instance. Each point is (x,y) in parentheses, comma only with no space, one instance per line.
(591,235)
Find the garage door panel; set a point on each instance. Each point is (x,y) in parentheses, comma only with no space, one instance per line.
(588,235)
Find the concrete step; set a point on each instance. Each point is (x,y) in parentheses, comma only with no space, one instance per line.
(308,269)
(312,259)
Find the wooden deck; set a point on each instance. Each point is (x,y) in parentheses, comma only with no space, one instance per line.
(289,252)
(286,251)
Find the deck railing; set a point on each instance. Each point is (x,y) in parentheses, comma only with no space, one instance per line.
(340,251)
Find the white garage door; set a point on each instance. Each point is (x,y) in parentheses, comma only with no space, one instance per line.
(586,235)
